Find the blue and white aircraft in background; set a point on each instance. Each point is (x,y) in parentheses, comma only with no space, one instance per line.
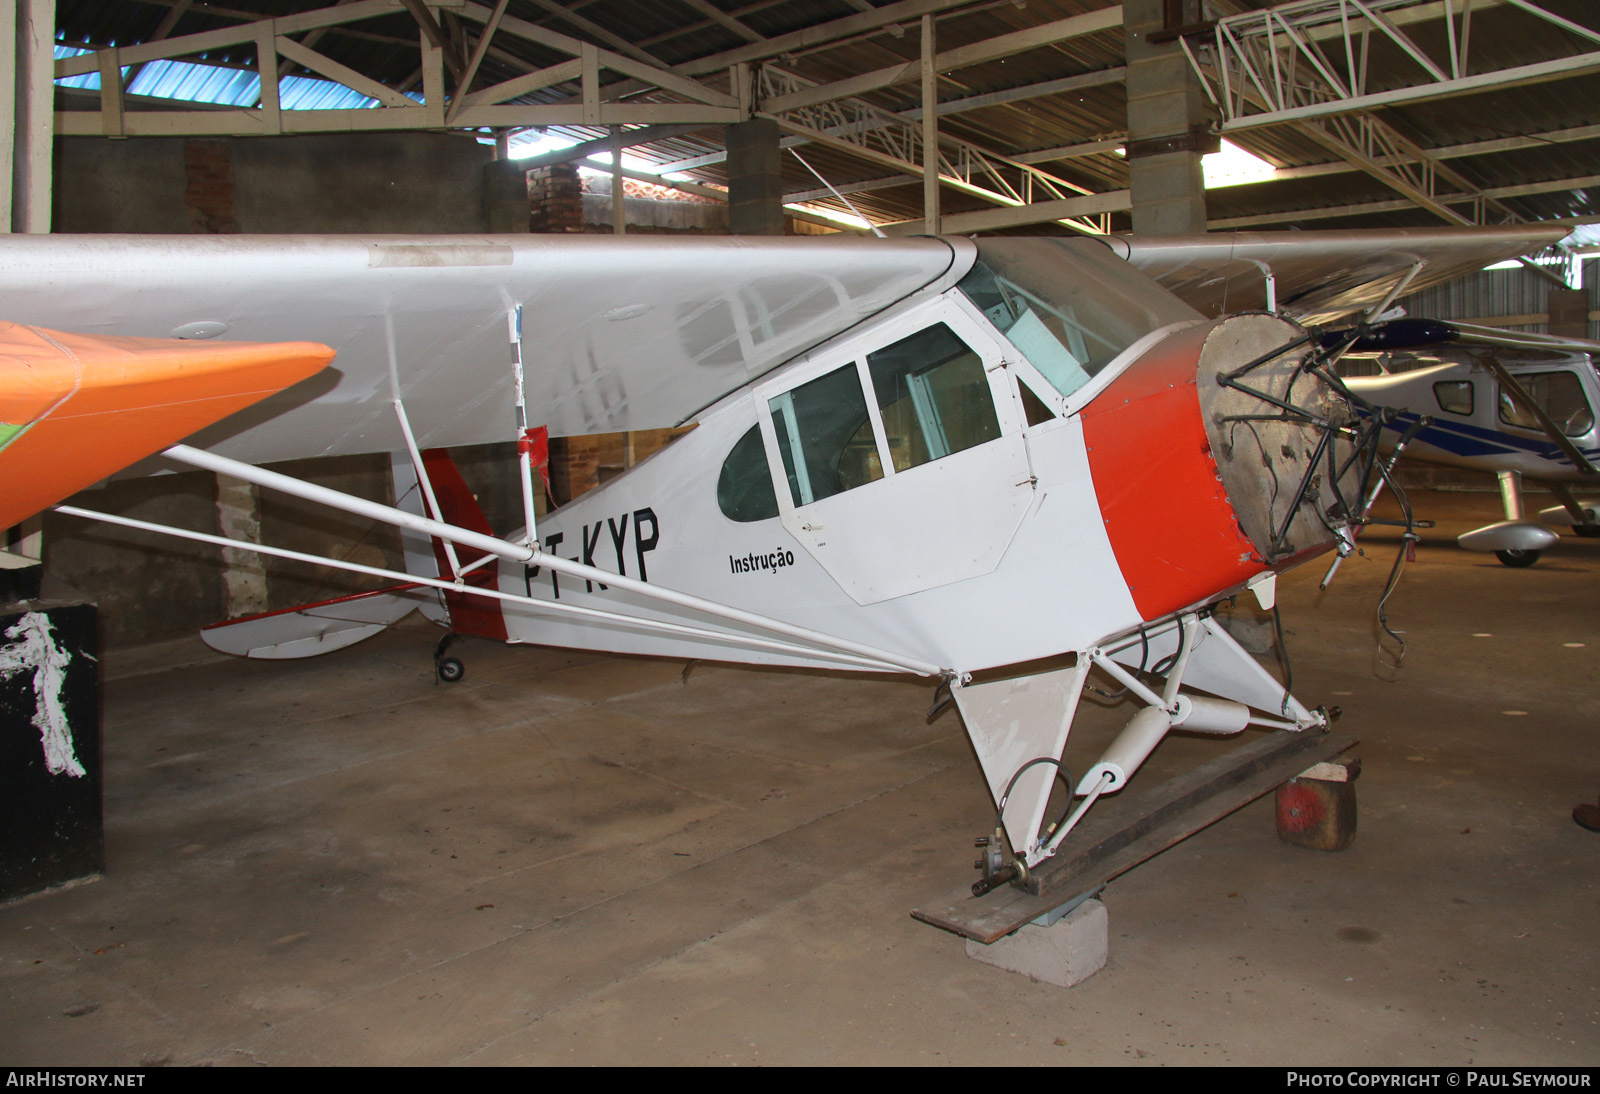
(1522,407)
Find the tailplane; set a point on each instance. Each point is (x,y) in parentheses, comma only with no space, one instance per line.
(307,630)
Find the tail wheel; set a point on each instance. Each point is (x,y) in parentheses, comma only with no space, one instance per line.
(451,670)
(1516,558)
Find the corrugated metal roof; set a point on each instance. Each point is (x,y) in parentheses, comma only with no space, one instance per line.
(202,83)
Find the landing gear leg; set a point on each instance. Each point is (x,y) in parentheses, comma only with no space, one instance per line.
(450,670)
(1583,519)
(1511,495)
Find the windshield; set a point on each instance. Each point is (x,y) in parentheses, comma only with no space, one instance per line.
(1069,306)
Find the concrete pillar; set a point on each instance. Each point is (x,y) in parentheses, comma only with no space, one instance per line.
(27,113)
(555,196)
(505,196)
(1169,122)
(755,183)
(930,130)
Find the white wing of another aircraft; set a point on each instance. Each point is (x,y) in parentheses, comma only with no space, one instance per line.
(1321,276)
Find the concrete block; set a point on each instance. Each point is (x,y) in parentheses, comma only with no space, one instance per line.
(1064,954)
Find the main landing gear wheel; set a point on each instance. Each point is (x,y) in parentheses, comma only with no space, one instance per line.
(1517,558)
(1587,531)
(449,669)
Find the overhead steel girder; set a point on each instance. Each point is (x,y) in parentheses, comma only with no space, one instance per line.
(978,164)
(1370,208)
(1273,67)
(1372,146)
(1441,154)
(1309,58)
(991,49)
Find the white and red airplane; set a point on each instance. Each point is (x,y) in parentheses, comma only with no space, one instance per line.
(952,458)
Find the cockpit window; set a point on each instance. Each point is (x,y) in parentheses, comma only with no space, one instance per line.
(933,395)
(744,489)
(934,400)
(1454,396)
(818,427)
(1559,395)
(1069,306)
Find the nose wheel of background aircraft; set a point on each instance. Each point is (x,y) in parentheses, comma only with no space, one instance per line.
(449,669)
(1517,558)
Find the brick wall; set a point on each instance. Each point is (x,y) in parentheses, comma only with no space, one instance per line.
(208,187)
(555,197)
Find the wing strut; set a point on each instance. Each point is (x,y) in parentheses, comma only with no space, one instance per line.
(1019,725)
(842,649)
(416,454)
(1551,430)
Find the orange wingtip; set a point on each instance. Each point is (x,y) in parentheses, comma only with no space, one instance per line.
(75,408)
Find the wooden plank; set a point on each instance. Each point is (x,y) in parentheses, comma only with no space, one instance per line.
(267,62)
(1165,815)
(231,36)
(478,53)
(341,74)
(604,114)
(617,62)
(110,93)
(989,49)
(521,85)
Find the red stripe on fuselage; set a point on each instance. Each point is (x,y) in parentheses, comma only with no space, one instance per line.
(478,615)
(1171,526)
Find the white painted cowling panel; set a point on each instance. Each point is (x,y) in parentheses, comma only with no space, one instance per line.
(618,333)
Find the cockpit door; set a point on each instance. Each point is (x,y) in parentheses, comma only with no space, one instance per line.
(898,458)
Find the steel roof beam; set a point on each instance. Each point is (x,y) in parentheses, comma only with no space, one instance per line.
(820,34)
(1374,207)
(1444,152)
(1270,67)
(991,49)
(1038,212)
(1579,65)
(975,102)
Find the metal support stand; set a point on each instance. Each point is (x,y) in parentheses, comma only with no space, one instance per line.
(1153,821)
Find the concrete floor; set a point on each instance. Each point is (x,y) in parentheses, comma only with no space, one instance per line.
(581,859)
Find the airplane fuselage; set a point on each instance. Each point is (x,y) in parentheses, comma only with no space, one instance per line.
(1478,426)
(924,485)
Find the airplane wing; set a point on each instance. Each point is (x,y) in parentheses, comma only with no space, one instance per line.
(617,333)
(76,408)
(1321,276)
